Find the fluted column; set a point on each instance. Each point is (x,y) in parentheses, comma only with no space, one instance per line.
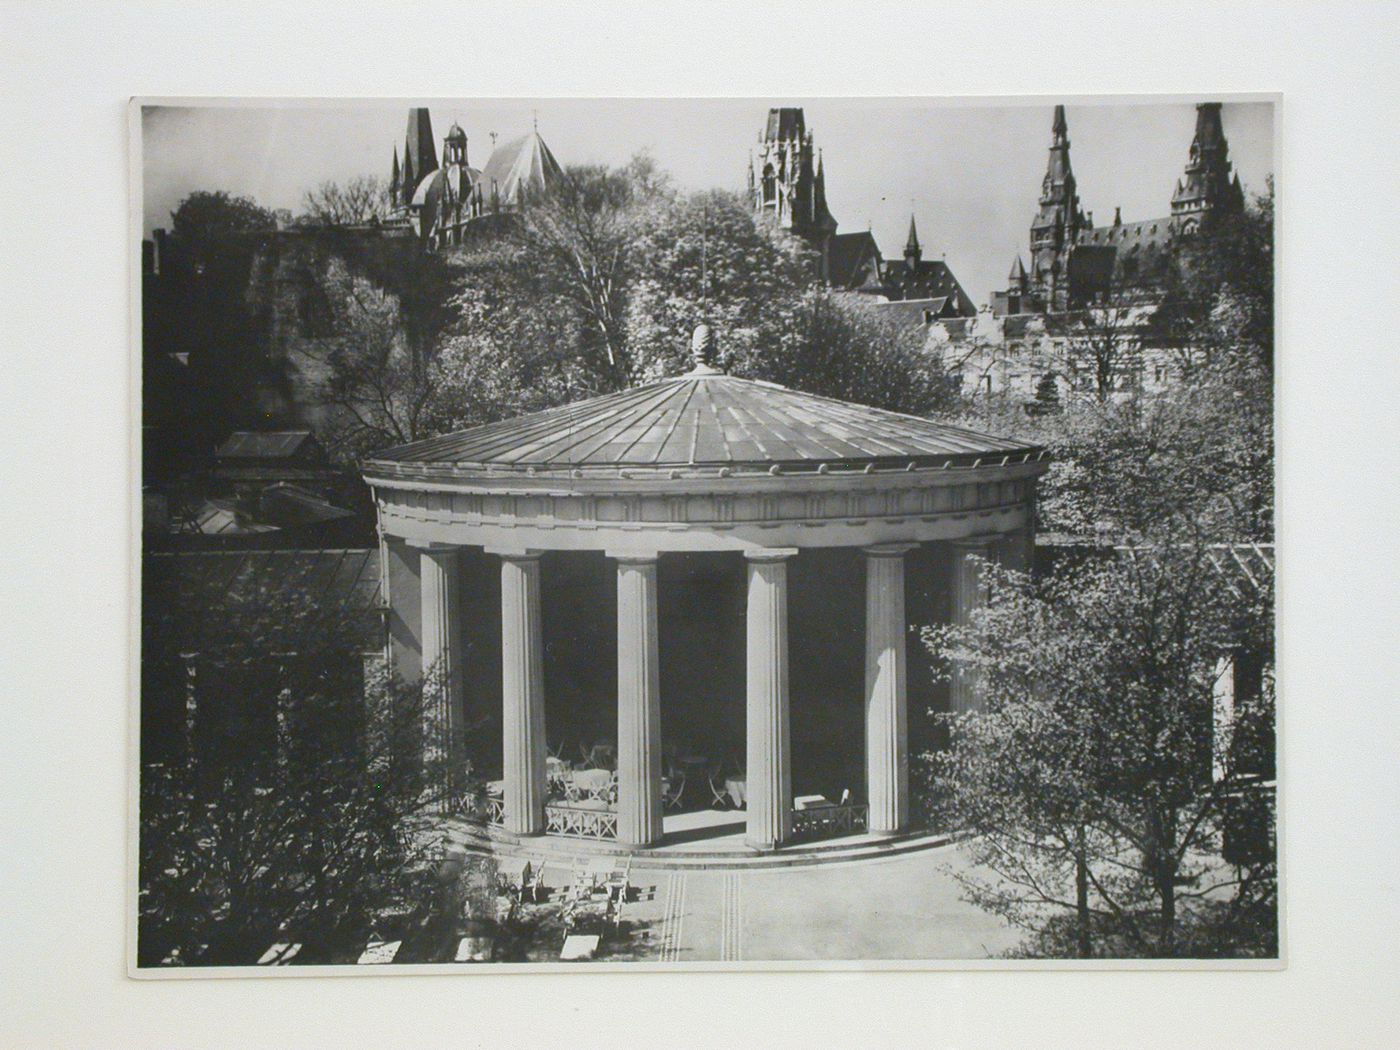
(886,689)
(638,703)
(522,681)
(969,593)
(769,757)
(443,715)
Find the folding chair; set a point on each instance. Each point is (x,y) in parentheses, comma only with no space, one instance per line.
(719,795)
(619,882)
(672,789)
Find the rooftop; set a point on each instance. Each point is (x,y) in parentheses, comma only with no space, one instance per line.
(699,422)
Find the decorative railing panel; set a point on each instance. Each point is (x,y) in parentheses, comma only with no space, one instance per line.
(495,811)
(825,822)
(580,822)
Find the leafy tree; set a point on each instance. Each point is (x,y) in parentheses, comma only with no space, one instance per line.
(1098,347)
(703,257)
(211,260)
(1086,779)
(208,218)
(581,234)
(1218,310)
(300,807)
(362,199)
(1047,396)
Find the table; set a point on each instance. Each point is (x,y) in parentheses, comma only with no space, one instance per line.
(377,953)
(593,782)
(579,946)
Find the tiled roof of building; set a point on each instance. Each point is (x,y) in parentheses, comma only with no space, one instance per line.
(847,253)
(1150,234)
(913,311)
(266,444)
(524,163)
(702,420)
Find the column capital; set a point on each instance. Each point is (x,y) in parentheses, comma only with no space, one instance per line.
(888,550)
(633,557)
(433,546)
(515,553)
(770,553)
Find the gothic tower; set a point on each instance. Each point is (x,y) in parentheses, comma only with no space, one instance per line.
(1056,226)
(790,186)
(1207,186)
(419,153)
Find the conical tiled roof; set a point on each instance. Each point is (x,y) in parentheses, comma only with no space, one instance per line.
(524,164)
(697,423)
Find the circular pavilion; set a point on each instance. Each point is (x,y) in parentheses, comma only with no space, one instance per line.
(705,465)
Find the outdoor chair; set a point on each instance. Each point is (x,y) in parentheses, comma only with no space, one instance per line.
(719,793)
(672,788)
(619,884)
(537,886)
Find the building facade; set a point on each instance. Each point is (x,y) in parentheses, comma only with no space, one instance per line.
(787,184)
(1075,263)
(438,201)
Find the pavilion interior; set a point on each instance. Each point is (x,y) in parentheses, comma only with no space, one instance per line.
(701,599)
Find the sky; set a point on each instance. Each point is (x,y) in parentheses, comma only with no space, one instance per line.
(969,170)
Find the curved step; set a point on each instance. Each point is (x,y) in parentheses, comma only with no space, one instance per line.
(461,835)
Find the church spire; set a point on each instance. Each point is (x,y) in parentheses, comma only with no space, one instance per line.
(912,251)
(1018,275)
(1057,224)
(1207,183)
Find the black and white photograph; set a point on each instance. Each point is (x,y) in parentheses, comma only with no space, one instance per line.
(706,532)
(763,523)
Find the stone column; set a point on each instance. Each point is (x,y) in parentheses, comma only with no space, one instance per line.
(968,595)
(769,756)
(522,680)
(443,708)
(886,689)
(638,702)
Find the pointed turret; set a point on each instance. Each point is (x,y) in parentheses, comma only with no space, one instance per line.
(394,178)
(1207,183)
(912,252)
(420,152)
(1057,224)
(1018,276)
